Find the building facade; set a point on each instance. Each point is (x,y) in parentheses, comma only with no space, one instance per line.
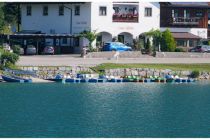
(188,21)
(126,21)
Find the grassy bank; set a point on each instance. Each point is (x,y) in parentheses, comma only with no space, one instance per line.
(191,67)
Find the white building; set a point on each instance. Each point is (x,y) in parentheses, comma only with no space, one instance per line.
(123,20)
(126,20)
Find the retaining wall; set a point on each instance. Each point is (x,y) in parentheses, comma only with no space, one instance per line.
(145,72)
(125,54)
(182,55)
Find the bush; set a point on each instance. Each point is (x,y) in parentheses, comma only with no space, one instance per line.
(148,47)
(8,58)
(179,50)
(168,43)
(195,74)
(16,49)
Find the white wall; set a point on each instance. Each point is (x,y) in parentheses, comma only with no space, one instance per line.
(89,19)
(104,23)
(61,24)
(201,32)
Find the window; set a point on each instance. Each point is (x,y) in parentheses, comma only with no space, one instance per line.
(61,10)
(181,43)
(77,11)
(28,10)
(102,11)
(148,12)
(45,10)
(76,42)
(186,13)
(174,13)
(200,13)
(64,41)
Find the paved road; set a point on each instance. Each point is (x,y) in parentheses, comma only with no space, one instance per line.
(75,60)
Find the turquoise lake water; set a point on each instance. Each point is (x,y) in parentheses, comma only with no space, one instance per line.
(105,110)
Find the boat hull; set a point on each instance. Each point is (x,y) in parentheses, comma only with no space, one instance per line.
(15,79)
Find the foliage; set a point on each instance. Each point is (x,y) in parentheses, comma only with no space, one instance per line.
(1,17)
(137,44)
(16,49)
(11,13)
(148,47)
(8,59)
(156,35)
(168,43)
(179,50)
(9,16)
(175,67)
(195,74)
(84,72)
(90,36)
(205,42)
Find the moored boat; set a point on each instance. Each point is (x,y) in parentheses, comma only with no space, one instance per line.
(147,80)
(170,80)
(15,79)
(93,80)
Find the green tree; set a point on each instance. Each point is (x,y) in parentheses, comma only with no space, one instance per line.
(8,58)
(156,38)
(9,16)
(1,17)
(12,13)
(168,43)
(90,36)
(148,46)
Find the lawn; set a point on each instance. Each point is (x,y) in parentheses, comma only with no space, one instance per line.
(191,67)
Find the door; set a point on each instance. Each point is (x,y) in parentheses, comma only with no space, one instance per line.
(121,38)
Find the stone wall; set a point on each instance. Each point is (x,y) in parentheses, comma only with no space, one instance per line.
(111,54)
(50,72)
(145,72)
(182,55)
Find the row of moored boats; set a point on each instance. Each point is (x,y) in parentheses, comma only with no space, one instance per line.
(85,78)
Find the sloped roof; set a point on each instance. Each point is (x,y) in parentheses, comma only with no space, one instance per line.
(188,4)
(184,35)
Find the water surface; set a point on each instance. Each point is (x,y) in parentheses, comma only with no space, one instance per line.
(105,110)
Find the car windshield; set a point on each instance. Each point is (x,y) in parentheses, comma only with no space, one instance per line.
(119,43)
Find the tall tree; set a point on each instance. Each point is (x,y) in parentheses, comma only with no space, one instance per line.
(90,36)
(9,16)
(168,43)
(11,13)
(1,17)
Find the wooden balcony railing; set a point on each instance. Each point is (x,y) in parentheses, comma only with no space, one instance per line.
(185,21)
(125,17)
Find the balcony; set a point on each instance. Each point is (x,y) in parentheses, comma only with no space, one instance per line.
(185,21)
(125,17)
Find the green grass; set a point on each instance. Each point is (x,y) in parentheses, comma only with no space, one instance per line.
(190,67)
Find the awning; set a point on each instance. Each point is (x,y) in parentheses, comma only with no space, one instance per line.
(35,36)
(184,35)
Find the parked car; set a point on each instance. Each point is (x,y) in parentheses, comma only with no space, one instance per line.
(201,48)
(116,46)
(49,50)
(21,51)
(30,50)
